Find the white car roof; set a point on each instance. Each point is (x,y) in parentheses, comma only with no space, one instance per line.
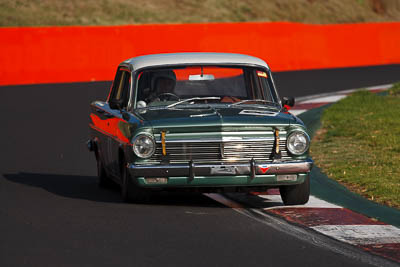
(158,60)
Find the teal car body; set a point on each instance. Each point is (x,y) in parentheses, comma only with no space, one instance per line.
(199,122)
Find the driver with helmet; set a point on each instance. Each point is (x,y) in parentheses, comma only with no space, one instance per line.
(162,86)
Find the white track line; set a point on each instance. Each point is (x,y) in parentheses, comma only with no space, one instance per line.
(297,111)
(313,202)
(301,233)
(361,234)
(343,92)
(325,99)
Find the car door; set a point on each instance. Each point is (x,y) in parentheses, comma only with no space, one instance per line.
(102,119)
(120,92)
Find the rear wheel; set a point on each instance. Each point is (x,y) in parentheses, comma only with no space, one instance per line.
(104,180)
(130,191)
(296,194)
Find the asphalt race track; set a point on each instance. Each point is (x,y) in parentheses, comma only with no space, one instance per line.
(304,83)
(53,214)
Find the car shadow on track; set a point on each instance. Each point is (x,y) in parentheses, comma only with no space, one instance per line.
(86,187)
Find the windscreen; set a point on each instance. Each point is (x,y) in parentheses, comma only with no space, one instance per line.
(223,84)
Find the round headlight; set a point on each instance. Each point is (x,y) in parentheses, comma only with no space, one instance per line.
(298,143)
(144,146)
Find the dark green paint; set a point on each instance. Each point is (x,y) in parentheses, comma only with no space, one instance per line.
(205,119)
(200,122)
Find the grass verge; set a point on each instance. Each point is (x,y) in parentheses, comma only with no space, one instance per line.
(115,12)
(359,145)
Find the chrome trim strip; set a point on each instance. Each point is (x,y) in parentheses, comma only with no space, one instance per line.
(245,133)
(222,139)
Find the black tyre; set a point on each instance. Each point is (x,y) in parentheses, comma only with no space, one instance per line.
(130,191)
(104,180)
(296,194)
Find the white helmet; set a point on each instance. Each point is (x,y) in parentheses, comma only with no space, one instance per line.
(166,74)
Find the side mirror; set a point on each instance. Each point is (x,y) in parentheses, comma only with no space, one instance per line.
(116,104)
(288,101)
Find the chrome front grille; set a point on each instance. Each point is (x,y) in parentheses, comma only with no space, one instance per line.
(207,152)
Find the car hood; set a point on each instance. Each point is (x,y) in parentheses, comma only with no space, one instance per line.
(213,119)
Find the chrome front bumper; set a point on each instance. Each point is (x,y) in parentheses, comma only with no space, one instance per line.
(251,169)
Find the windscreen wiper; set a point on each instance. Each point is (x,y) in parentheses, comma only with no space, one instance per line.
(254,100)
(193,99)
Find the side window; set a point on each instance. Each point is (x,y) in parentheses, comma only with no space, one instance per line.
(252,84)
(121,86)
(258,86)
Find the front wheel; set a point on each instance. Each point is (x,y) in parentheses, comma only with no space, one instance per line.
(130,191)
(296,194)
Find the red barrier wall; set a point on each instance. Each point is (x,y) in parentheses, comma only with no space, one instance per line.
(72,54)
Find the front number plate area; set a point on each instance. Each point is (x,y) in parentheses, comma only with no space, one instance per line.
(223,170)
(286,177)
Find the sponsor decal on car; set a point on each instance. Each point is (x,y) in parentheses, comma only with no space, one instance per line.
(263,168)
(262,74)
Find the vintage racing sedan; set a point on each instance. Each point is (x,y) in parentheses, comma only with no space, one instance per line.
(199,121)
